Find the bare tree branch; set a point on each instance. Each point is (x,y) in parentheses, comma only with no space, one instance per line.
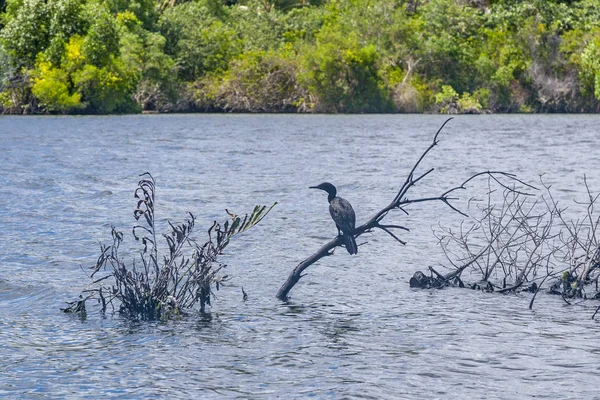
(400,202)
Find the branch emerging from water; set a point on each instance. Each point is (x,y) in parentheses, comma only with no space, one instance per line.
(517,244)
(400,202)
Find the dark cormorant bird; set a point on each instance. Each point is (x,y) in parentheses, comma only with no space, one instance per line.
(343,215)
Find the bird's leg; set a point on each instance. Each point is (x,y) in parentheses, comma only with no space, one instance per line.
(340,233)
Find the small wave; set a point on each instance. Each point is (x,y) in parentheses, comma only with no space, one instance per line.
(14,293)
(101,194)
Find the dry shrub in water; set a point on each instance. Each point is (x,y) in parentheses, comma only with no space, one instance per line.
(524,243)
(156,285)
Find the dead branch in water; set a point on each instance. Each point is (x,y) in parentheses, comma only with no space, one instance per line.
(400,202)
(526,242)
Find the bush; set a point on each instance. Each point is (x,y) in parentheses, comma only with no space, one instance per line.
(345,55)
(107,89)
(52,88)
(198,41)
(590,68)
(449,102)
(157,285)
(343,75)
(26,31)
(256,82)
(142,52)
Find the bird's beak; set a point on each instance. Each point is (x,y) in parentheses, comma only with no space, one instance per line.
(313,187)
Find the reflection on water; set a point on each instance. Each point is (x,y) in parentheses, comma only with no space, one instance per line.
(353,328)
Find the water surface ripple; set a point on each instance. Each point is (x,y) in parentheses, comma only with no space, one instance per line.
(353,329)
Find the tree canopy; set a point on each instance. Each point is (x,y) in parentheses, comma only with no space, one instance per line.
(341,56)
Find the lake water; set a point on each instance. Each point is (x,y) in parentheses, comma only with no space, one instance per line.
(352,329)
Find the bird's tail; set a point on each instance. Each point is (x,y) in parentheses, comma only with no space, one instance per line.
(351,244)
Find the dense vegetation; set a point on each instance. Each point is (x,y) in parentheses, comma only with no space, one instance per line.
(117,56)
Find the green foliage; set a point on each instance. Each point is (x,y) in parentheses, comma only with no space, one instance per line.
(447,98)
(51,86)
(143,53)
(344,76)
(451,103)
(449,42)
(198,40)
(78,84)
(257,82)
(6,68)
(26,31)
(300,55)
(590,67)
(302,24)
(106,89)
(67,19)
(469,104)
(102,39)
(258,30)
(32,26)
(144,10)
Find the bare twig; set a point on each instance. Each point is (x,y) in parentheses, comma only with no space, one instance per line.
(525,236)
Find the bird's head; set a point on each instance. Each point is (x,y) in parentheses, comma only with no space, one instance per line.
(328,187)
